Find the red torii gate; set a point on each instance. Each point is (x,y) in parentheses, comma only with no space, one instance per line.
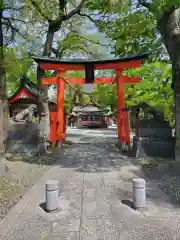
(58,131)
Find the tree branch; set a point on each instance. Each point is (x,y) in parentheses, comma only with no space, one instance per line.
(60,52)
(13,8)
(14,19)
(163,20)
(144,3)
(56,24)
(57,52)
(98,43)
(15,29)
(91,19)
(76,10)
(86,15)
(62,4)
(38,9)
(78,34)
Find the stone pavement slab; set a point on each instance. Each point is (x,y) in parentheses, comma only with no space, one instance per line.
(95,199)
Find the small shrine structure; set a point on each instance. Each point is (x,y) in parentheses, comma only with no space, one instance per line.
(26,95)
(90,114)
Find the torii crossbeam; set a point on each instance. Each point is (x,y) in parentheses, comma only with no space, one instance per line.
(120,64)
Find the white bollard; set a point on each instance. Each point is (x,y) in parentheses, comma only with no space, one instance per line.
(139,193)
(51,195)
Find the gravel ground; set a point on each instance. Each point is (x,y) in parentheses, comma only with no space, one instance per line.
(22,173)
(167,173)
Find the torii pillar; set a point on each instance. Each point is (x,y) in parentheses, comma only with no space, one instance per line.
(61,129)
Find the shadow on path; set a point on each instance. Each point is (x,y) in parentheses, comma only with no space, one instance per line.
(97,154)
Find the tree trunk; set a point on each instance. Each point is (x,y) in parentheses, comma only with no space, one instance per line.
(3,102)
(43,108)
(169,28)
(176,79)
(49,41)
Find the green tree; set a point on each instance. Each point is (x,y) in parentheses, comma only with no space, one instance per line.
(76,42)
(8,33)
(105,95)
(154,88)
(151,23)
(17,63)
(53,15)
(167,15)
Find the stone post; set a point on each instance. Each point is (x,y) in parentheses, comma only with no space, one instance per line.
(139,193)
(51,195)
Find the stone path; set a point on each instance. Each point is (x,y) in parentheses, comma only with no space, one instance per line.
(95,193)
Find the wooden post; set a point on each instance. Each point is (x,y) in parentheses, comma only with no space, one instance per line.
(126,128)
(52,137)
(120,104)
(60,107)
(65,122)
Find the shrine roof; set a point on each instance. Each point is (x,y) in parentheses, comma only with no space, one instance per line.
(89,61)
(29,85)
(92,103)
(91,106)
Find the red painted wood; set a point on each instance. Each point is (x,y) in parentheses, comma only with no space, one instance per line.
(23,92)
(98,80)
(64,127)
(126,79)
(126,128)
(53,124)
(102,80)
(60,108)
(49,80)
(123,118)
(120,103)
